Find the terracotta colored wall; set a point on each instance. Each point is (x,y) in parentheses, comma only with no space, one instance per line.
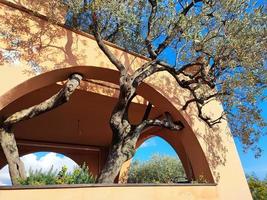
(114,193)
(211,152)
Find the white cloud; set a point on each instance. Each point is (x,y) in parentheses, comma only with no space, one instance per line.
(32,161)
(4,176)
(148,143)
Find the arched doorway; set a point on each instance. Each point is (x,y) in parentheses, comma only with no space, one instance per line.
(156,161)
(40,161)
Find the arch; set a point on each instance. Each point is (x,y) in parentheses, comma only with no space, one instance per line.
(178,151)
(79,154)
(192,148)
(177,146)
(44,161)
(174,143)
(151,146)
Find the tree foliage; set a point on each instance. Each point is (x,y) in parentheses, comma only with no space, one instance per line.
(228,39)
(80,175)
(258,188)
(159,169)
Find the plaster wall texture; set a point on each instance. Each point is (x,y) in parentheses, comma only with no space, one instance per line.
(103,193)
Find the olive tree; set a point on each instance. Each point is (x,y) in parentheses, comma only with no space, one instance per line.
(215,50)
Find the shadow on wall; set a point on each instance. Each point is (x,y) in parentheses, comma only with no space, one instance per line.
(43,46)
(216,149)
(32,41)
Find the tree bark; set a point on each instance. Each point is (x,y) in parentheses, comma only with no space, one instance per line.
(53,102)
(123,148)
(15,165)
(119,153)
(7,138)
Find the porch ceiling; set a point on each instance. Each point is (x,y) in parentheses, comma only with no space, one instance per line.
(83,120)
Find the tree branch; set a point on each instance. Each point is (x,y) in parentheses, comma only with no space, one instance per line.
(56,100)
(145,71)
(203,99)
(187,8)
(167,123)
(197,78)
(112,35)
(148,40)
(147,112)
(104,48)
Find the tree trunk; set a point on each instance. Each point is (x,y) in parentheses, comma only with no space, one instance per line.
(112,166)
(123,148)
(119,153)
(15,165)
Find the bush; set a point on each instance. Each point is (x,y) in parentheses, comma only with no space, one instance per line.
(257,187)
(159,169)
(80,175)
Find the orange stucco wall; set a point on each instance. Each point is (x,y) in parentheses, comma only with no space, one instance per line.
(197,192)
(60,52)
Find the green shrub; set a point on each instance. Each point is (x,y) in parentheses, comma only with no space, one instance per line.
(38,177)
(257,187)
(80,175)
(159,169)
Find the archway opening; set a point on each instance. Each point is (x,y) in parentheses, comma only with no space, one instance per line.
(43,161)
(156,161)
(76,123)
